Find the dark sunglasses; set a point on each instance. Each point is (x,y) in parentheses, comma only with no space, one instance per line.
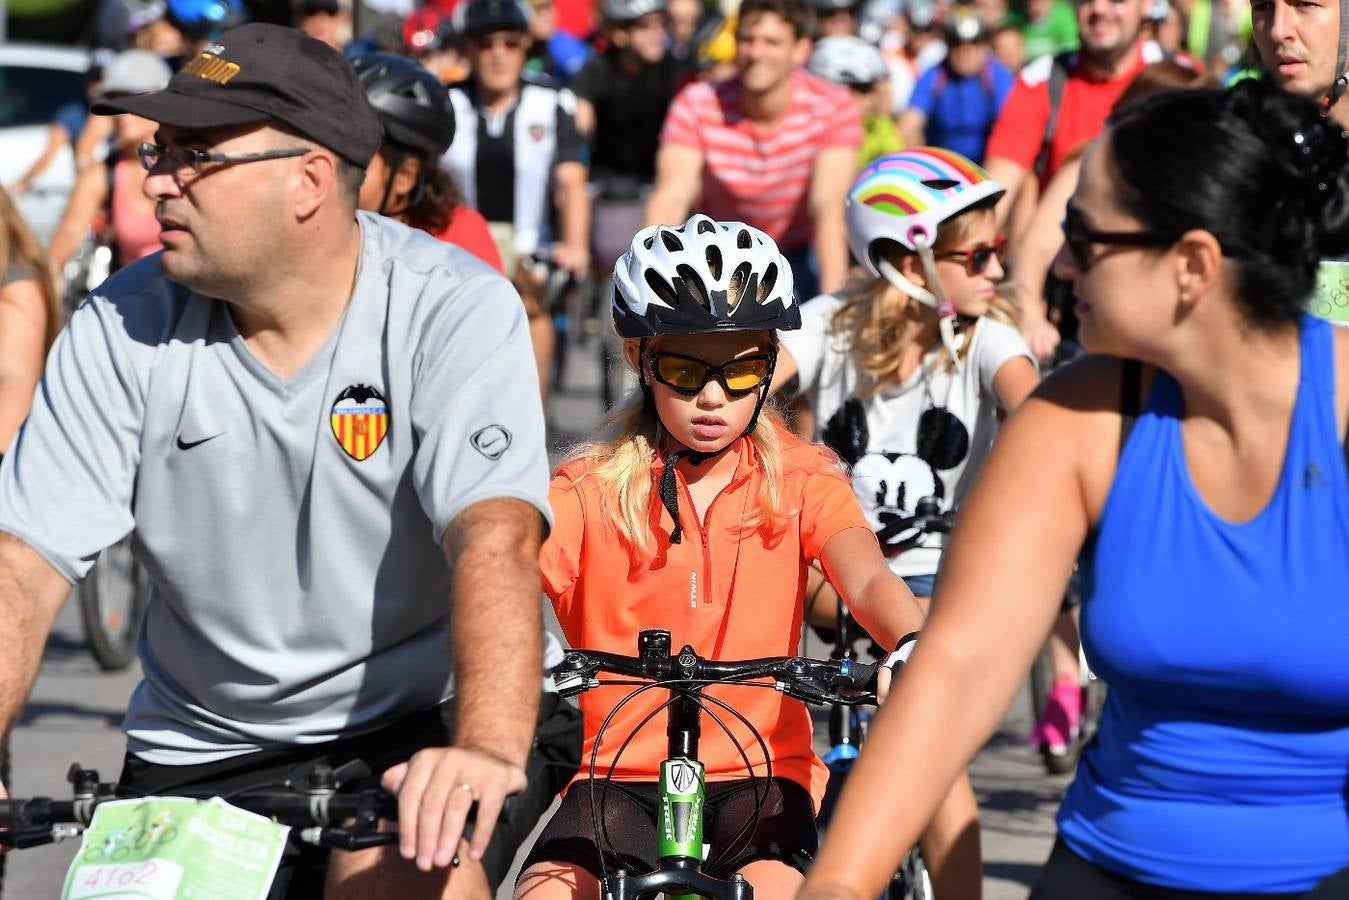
(976,259)
(184,159)
(1079,237)
(688,376)
(492,41)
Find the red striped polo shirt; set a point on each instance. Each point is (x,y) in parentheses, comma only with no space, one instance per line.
(761,176)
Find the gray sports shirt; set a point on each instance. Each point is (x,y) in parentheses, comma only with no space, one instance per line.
(291,528)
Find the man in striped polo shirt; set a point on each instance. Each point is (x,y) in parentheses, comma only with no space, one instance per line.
(774,147)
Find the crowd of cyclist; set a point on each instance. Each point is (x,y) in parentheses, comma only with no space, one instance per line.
(895,217)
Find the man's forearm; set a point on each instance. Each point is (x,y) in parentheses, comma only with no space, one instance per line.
(497,636)
(667,206)
(31,593)
(575,214)
(831,252)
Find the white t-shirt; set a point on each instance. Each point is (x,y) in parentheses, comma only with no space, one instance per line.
(890,471)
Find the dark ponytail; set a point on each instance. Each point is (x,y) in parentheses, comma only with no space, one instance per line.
(1259,168)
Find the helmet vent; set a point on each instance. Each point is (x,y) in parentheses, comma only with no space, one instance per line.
(767,283)
(940,184)
(650,242)
(694,285)
(738,279)
(714,262)
(661,288)
(670,240)
(706,227)
(743,241)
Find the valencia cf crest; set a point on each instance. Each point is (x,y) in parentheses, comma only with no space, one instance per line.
(360,420)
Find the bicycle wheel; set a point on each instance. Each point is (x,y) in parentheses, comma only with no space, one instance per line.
(910,881)
(112,604)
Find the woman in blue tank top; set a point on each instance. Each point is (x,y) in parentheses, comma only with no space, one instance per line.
(1210,485)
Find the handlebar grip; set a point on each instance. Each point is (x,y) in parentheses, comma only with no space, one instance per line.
(862,676)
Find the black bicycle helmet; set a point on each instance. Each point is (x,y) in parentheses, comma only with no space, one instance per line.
(478,17)
(411,103)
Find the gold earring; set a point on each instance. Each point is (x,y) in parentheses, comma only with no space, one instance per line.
(1184,296)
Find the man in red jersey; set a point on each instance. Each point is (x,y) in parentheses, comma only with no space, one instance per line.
(1033,135)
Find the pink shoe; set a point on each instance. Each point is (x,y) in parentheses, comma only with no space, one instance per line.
(1056,730)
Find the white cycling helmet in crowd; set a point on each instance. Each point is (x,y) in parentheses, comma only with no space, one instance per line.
(617,12)
(847,60)
(904,198)
(700,277)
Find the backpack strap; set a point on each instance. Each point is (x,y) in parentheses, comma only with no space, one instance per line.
(1058,80)
(1130,404)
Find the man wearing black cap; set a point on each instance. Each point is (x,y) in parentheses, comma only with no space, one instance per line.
(317,424)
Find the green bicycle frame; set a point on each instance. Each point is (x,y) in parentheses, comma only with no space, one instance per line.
(682,791)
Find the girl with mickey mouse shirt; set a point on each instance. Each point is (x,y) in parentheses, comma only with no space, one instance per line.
(908,369)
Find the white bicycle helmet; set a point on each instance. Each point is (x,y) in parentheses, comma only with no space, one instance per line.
(702,276)
(620,11)
(847,60)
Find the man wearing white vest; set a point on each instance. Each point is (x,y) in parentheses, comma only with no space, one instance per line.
(516,149)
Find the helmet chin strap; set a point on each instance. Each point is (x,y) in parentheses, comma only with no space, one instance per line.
(946,312)
(669,496)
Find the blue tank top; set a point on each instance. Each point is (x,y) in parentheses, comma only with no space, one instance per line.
(1222,760)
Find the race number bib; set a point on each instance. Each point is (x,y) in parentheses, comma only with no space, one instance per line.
(174,848)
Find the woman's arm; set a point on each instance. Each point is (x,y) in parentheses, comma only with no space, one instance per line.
(1002,580)
(1034,254)
(23,335)
(86,199)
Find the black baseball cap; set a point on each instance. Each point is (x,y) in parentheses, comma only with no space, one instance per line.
(260,72)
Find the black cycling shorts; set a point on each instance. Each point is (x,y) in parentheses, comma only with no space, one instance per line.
(785,830)
(552,763)
(1067,876)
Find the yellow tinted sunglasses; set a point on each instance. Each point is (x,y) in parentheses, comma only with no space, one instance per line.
(689,376)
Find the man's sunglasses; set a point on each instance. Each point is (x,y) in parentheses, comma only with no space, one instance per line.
(688,376)
(976,259)
(1079,238)
(181,159)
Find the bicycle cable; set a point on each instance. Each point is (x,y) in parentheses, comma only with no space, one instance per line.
(599,821)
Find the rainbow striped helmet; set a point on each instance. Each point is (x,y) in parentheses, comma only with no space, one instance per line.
(906,195)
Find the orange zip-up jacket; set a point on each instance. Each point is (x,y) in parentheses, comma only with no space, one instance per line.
(729,592)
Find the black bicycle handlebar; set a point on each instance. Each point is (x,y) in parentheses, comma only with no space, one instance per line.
(318,807)
(820,681)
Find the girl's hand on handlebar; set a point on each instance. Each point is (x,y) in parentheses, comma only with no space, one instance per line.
(883,678)
(436,789)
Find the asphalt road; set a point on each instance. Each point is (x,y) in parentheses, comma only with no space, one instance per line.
(74,713)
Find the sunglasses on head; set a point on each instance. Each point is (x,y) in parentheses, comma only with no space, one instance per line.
(976,259)
(687,375)
(1078,236)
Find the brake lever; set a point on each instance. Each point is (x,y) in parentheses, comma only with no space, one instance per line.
(30,837)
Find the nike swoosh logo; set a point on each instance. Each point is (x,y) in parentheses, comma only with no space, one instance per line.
(188,445)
